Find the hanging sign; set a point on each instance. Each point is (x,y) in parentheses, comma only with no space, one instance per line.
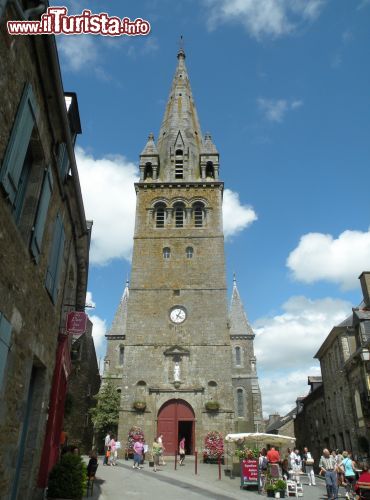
(76,322)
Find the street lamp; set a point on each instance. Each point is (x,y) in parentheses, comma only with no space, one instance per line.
(365,355)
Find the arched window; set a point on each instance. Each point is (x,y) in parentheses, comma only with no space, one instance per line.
(148,172)
(198,215)
(238,358)
(179,216)
(179,164)
(121,355)
(166,253)
(210,171)
(160,215)
(240,402)
(189,252)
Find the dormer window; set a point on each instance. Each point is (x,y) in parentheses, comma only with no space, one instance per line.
(210,171)
(148,172)
(179,164)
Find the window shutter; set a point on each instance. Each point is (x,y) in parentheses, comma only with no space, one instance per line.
(55,258)
(18,143)
(38,230)
(5,334)
(63,160)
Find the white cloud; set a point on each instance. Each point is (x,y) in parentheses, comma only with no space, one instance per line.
(363,4)
(78,51)
(291,339)
(109,197)
(322,257)
(89,300)
(275,109)
(263,18)
(236,216)
(98,332)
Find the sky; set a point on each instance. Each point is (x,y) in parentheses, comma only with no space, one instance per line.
(283,87)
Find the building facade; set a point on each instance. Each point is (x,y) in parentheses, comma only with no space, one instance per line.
(173,345)
(44,248)
(338,412)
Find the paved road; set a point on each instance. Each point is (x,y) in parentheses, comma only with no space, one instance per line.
(116,483)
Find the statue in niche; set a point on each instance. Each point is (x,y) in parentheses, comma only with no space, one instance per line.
(176,372)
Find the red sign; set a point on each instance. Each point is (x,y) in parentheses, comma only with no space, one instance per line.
(76,322)
(250,471)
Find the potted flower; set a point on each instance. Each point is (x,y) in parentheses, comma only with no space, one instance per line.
(67,480)
(213,447)
(270,490)
(212,405)
(139,405)
(280,486)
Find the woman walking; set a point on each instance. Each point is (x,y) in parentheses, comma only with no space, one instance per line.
(182,451)
(348,466)
(157,452)
(113,451)
(308,462)
(138,454)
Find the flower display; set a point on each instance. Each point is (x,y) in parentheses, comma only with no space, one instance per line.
(213,445)
(245,452)
(135,434)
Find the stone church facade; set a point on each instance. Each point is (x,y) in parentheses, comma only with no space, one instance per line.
(174,345)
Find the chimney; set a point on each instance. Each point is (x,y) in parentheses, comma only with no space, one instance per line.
(365,285)
(273,418)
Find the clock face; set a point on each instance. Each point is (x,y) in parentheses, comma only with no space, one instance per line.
(178,314)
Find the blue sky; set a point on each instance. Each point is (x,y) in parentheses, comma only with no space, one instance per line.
(283,87)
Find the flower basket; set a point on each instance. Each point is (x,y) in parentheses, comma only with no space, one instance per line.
(212,405)
(139,405)
(135,434)
(213,447)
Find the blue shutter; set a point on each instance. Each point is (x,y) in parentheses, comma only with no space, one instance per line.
(38,229)
(55,259)
(63,160)
(18,143)
(5,334)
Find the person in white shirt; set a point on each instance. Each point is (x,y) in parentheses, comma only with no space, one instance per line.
(160,442)
(106,448)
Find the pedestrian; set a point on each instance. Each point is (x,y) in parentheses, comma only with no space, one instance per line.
(92,465)
(182,451)
(106,448)
(138,454)
(328,467)
(308,461)
(340,470)
(160,441)
(273,456)
(156,452)
(113,450)
(348,468)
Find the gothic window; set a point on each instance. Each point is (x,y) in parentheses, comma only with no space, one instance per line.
(210,172)
(148,172)
(160,215)
(179,216)
(121,355)
(179,164)
(166,253)
(198,215)
(238,358)
(240,402)
(189,252)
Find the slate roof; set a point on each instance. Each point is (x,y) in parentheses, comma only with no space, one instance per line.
(119,322)
(277,424)
(239,324)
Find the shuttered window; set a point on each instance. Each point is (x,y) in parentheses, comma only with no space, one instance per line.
(42,210)
(55,259)
(12,166)
(5,334)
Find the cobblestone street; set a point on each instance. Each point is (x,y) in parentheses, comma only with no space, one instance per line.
(114,483)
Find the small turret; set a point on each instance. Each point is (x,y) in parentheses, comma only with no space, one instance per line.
(209,159)
(149,161)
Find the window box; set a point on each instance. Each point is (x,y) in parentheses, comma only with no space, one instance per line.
(212,405)
(139,405)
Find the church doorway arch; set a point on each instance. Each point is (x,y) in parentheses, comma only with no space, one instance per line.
(176,419)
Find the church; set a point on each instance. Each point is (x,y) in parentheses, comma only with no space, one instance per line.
(181,359)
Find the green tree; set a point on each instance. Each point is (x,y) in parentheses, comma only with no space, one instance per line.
(106,412)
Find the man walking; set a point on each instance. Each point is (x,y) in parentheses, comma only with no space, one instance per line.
(106,448)
(328,467)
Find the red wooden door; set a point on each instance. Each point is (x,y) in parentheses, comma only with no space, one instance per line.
(168,422)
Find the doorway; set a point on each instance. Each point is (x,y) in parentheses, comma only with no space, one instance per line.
(185,430)
(174,417)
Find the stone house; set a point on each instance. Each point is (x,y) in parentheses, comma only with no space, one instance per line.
(44,248)
(83,385)
(283,425)
(338,412)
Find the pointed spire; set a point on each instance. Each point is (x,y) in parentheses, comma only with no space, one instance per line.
(239,324)
(150,148)
(119,322)
(180,127)
(208,146)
